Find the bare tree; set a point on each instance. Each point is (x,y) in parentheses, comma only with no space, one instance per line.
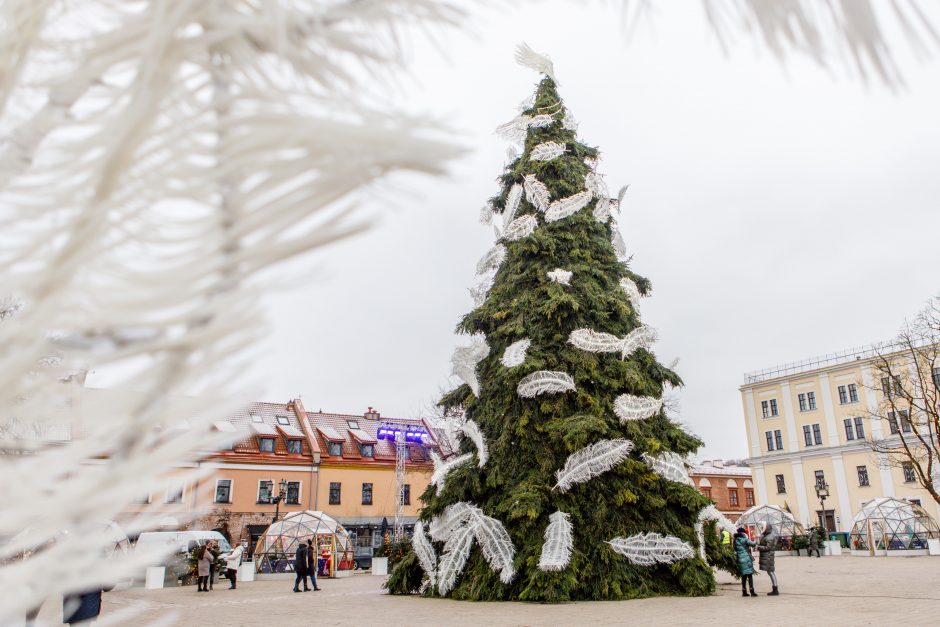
(907,378)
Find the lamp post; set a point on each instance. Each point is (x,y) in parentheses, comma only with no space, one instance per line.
(822,492)
(281,493)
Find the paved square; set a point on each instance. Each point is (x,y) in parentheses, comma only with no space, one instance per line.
(829,591)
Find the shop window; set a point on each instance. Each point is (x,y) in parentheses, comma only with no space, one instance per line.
(334,493)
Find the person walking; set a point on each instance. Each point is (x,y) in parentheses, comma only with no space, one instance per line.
(82,608)
(813,543)
(300,567)
(204,560)
(766,556)
(312,565)
(742,551)
(232,561)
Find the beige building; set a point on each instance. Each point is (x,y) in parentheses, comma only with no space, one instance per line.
(810,421)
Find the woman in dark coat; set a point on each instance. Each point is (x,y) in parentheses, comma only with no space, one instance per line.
(300,568)
(742,551)
(81,608)
(766,547)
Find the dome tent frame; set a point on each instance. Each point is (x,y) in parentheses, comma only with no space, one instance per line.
(785,526)
(276,548)
(892,525)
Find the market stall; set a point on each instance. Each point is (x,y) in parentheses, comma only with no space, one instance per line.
(277,546)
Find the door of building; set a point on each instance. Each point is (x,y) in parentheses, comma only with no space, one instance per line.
(827,520)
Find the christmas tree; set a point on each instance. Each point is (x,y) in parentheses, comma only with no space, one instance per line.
(569,480)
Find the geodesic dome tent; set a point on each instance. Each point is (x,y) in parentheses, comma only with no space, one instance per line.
(892,524)
(277,546)
(754,519)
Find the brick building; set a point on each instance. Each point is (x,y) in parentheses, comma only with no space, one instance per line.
(730,487)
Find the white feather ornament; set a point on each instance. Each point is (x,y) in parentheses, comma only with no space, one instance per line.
(514,130)
(541,120)
(513,198)
(629,407)
(560,276)
(569,121)
(597,342)
(465,360)
(547,151)
(511,154)
(492,260)
(633,292)
(601,210)
(567,206)
(620,195)
(591,461)
(616,238)
(427,557)
(559,540)
(594,183)
(669,466)
(527,103)
(472,431)
(441,468)
(710,512)
(479,291)
(523,226)
(531,59)
(454,516)
(514,355)
(544,382)
(536,192)
(486,214)
(495,543)
(652,548)
(456,551)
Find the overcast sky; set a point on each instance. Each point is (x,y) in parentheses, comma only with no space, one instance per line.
(780,213)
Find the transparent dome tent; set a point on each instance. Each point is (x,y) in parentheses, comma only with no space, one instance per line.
(277,547)
(892,524)
(785,526)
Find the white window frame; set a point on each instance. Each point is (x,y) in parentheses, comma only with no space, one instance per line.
(853,393)
(300,492)
(137,500)
(811,400)
(286,422)
(258,492)
(257,419)
(231,491)
(182,491)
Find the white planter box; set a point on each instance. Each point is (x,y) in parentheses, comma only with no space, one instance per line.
(380,566)
(833,547)
(154,578)
(246,572)
(933,547)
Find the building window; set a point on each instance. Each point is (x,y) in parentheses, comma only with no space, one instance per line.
(807,435)
(256,418)
(769,408)
(843,395)
(293,493)
(905,421)
(367,494)
(406,494)
(862,475)
(781,485)
(707,492)
(367,450)
(859,428)
(853,393)
(265,491)
(174,494)
(335,448)
(141,499)
(812,435)
(817,434)
(936,376)
(886,387)
(893,422)
(294,447)
(909,475)
(820,478)
(334,493)
(283,420)
(748,497)
(733,497)
(914,501)
(352,424)
(223,491)
(802,399)
(849,431)
(266,445)
(811,400)
(778,438)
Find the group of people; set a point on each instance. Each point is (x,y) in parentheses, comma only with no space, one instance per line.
(305,565)
(765,547)
(206,556)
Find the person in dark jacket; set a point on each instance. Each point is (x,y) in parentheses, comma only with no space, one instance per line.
(813,543)
(300,568)
(766,547)
(312,565)
(83,607)
(742,551)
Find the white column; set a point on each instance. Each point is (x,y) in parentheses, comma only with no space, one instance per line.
(800,482)
(760,488)
(874,425)
(792,442)
(752,423)
(887,481)
(846,513)
(829,410)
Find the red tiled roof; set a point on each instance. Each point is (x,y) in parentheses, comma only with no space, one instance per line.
(269,413)
(384,450)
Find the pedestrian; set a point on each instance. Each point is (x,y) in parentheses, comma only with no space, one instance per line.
(766,547)
(726,537)
(232,561)
(300,567)
(742,551)
(312,565)
(204,562)
(813,543)
(216,552)
(83,607)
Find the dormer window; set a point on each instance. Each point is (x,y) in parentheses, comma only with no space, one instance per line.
(294,447)
(283,420)
(367,450)
(266,445)
(257,419)
(335,449)
(352,424)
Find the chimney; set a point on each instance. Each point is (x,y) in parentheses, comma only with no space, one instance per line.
(372,414)
(719,463)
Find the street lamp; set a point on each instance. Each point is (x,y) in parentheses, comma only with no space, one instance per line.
(282,492)
(822,492)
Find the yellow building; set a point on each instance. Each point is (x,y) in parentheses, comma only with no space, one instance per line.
(811,421)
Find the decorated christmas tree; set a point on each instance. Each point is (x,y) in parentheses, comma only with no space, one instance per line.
(568,478)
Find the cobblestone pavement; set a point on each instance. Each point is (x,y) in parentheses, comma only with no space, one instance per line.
(827,591)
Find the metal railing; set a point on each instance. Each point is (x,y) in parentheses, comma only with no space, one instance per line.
(831,359)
